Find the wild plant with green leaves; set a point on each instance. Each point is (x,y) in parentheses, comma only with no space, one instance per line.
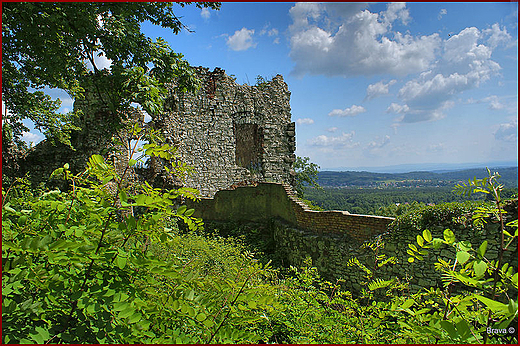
(489,285)
(85,266)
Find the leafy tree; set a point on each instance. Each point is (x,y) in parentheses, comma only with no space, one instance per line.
(306,174)
(52,44)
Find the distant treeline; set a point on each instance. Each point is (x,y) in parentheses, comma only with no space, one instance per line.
(379,201)
(509,177)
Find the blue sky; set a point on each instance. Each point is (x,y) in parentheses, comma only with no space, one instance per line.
(374,84)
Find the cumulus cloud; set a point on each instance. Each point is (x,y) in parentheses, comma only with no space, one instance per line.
(271,32)
(507,132)
(347,40)
(338,142)
(465,64)
(359,43)
(498,103)
(305,121)
(204,13)
(496,36)
(396,10)
(494,103)
(332,129)
(379,88)
(348,112)
(241,40)
(397,108)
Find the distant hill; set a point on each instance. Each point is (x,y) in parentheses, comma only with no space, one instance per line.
(424,167)
(509,177)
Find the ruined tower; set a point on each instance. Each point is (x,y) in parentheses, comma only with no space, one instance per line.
(231,133)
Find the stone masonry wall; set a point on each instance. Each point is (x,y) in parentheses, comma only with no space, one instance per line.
(331,238)
(231,133)
(273,200)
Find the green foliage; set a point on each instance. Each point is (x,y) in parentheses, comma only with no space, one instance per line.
(453,215)
(371,267)
(311,205)
(105,262)
(261,82)
(489,283)
(50,44)
(306,174)
(391,202)
(81,266)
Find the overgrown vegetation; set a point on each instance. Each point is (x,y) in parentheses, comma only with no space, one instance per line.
(106,263)
(112,260)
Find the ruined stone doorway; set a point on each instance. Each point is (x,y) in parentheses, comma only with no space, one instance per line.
(249,145)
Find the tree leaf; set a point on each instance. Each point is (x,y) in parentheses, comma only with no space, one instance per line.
(427,235)
(408,303)
(123,197)
(480,267)
(482,248)
(420,240)
(121,261)
(495,306)
(449,236)
(450,329)
(463,257)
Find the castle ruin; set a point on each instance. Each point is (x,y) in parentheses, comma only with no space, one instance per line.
(231,134)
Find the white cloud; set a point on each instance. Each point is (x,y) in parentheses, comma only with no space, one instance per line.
(271,32)
(348,112)
(305,121)
(494,103)
(332,129)
(379,88)
(465,64)
(507,132)
(497,36)
(379,143)
(29,137)
(396,10)
(241,40)
(361,43)
(343,141)
(442,12)
(396,108)
(205,13)
(498,103)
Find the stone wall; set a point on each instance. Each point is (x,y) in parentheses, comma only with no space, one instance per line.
(274,200)
(331,238)
(231,133)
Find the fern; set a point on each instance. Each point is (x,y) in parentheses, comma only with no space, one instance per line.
(380,283)
(355,262)
(392,260)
